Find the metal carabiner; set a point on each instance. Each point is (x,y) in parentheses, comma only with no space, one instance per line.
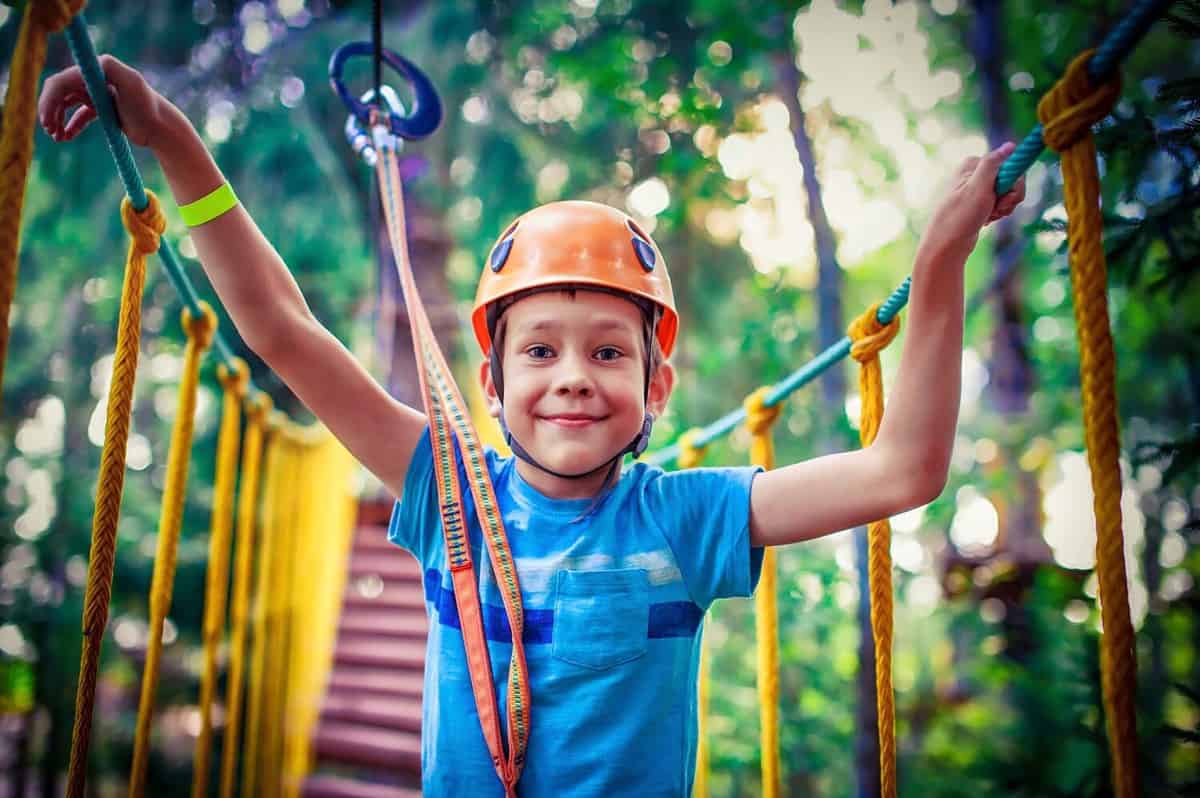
(367,146)
(426,113)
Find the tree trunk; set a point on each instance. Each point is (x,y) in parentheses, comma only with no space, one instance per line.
(1010,370)
(833,402)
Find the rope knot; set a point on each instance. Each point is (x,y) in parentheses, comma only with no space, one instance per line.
(1068,111)
(235,380)
(869,336)
(145,226)
(54,15)
(202,328)
(759,418)
(690,455)
(259,407)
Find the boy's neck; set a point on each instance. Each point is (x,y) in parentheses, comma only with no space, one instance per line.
(553,487)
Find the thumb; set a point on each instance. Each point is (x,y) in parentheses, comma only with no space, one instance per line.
(990,164)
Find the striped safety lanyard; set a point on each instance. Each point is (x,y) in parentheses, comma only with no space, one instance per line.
(445,410)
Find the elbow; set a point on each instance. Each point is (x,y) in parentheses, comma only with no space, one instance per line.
(276,341)
(923,476)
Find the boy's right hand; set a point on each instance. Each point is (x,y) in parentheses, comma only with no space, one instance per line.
(139,107)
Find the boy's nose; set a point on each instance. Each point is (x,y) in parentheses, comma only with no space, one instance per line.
(574,382)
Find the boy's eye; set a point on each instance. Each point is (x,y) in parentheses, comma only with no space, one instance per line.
(608,353)
(539,352)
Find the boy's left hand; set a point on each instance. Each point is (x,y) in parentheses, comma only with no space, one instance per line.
(971,203)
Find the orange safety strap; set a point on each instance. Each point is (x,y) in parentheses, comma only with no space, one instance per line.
(447,415)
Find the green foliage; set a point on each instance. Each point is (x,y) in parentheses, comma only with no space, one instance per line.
(549,100)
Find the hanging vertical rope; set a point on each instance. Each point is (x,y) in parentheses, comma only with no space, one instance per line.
(256,419)
(759,421)
(262,592)
(144,230)
(1067,114)
(869,338)
(691,456)
(16,141)
(199,330)
(233,384)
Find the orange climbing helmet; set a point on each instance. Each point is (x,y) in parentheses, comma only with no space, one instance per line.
(581,244)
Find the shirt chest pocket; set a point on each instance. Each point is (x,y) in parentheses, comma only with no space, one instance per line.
(601,617)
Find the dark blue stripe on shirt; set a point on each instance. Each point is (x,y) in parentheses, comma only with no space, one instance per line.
(667,619)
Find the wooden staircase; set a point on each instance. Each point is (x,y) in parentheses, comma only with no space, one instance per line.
(368,739)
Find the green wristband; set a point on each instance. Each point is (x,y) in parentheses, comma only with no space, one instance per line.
(208,207)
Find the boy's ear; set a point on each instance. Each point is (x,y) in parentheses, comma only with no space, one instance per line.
(661,383)
(489,388)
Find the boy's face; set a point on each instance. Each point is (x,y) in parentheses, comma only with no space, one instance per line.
(573,373)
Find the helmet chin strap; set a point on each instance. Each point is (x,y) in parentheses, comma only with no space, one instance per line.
(635,447)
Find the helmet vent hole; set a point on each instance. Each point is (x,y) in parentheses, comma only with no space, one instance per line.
(637,231)
(510,229)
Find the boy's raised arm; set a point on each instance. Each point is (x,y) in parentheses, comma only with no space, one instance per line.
(250,277)
(908,463)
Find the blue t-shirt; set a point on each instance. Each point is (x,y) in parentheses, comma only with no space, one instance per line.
(613,603)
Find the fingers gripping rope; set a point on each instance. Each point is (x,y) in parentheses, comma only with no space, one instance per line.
(1067,113)
(144,230)
(200,330)
(16,144)
(759,421)
(869,338)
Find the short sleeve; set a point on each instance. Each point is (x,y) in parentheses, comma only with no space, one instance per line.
(705,515)
(415,520)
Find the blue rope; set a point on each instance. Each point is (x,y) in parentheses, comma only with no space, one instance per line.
(85,55)
(1115,47)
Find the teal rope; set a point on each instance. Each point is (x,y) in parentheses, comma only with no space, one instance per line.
(1115,47)
(85,55)
(1111,52)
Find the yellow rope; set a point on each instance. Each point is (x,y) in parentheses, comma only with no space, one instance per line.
(1067,114)
(16,142)
(200,332)
(234,385)
(144,230)
(256,419)
(262,593)
(869,338)
(759,421)
(279,608)
(690,456)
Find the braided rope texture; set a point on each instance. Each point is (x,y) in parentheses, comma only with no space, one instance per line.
(144,231)
(1067,113)
(233,384)
(199,330)
(869,338)
(262,590)
(256,419)
(16,143)
(759,422)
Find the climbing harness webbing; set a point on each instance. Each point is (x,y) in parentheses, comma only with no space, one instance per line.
(448,416)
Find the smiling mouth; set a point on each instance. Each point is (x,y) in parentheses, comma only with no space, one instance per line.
(572,422)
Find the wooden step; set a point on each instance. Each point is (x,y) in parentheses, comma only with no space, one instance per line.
(375,539)
(392,596)
(401,624)
(398,567)
(373,651)
(336,787)
(364,709)
(377,681)
(365,746)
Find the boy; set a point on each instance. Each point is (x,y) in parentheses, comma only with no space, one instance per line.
(576,318)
